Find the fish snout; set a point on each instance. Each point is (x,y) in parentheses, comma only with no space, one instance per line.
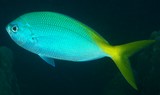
(8,29)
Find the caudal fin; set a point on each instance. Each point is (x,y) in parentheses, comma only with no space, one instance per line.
(120,54)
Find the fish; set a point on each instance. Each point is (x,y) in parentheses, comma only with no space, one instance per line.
(53,35)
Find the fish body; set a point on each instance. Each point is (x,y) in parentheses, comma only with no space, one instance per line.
(56,36)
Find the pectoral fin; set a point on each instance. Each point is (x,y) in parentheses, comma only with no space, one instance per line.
(48,60)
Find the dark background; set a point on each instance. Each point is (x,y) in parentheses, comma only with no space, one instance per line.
(118,21)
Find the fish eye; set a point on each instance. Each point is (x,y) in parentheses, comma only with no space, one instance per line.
(14,28)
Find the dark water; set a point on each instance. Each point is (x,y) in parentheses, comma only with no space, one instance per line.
(119,21)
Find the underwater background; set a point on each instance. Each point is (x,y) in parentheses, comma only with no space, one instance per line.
(118,21)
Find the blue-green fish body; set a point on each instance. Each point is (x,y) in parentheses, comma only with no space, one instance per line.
(56,36)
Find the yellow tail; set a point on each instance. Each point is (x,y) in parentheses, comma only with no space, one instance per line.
(120,55)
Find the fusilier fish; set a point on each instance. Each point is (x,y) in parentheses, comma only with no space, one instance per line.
(56,36)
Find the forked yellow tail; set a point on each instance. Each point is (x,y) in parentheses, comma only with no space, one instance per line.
(120,54)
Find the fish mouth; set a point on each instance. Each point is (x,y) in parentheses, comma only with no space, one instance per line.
(8,29)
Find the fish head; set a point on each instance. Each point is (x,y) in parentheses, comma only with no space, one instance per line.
(20,32)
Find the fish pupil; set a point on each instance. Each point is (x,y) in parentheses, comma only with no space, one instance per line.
(14,28)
